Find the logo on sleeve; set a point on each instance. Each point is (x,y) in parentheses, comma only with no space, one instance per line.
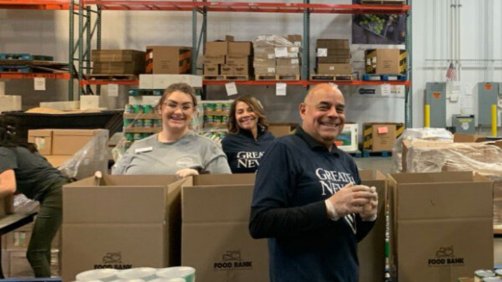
(248,159)
(185,162)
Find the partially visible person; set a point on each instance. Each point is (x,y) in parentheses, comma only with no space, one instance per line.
(248,136)
(24,170)
(308,198)
(176,150)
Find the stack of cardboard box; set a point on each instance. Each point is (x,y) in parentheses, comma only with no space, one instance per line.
(113,62)
(333,57)
(168,59)
(277,56)
(386,61)
(228,58)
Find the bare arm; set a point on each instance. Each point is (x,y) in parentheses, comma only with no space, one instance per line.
(7,183)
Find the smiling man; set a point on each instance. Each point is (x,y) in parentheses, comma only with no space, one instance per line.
(308,199)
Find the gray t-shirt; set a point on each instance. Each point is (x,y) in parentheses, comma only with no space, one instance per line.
(150,156)
(33,172)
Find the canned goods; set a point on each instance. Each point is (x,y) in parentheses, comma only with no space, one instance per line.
(479,275)
(498,272)
(209,118)
(138,109)
(210,107)
(137,136)
(144,135)
(147,109)
(218,107)
(129,137)
(228,106)
(128,123)
(157,123)
(492,279)
(224,119)
(218,119)
(139,123)
(129,109)
(147,123)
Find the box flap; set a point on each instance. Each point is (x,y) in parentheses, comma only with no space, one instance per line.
(75,132)
(40,133)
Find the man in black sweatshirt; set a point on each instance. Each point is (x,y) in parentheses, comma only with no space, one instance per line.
(308,199)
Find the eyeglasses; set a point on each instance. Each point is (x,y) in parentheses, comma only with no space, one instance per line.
(175,106)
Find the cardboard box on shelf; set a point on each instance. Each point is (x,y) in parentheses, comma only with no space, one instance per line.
(42,138)
(296,39)
(211,69)
(386,61)
(348,139)
(69,141)
(241,69)
(227,70)
(162,81)
(264,56)
(9,103)
(380,137)
(217,48)
(264,70)
(117,55)
(264,63)
(333,43)
(121,222)
(288,70)
(237,60)
(244,48)
(89,102)
(214,60)
(371,250)
(206,229)
(334,69)
(118,67)
(287,62)
(333,60)
(437,237)
(168,60)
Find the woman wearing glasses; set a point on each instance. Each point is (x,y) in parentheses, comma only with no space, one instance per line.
(176,149)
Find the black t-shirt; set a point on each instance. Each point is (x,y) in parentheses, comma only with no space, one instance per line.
(244,152)
(34,174)
(297,174)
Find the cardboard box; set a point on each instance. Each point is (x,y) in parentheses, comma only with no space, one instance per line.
(437,236)
(296,39)
(42,138)
(89,102)
(237,60)
(70,141)
(168,60)
(348,140)
(241,69)
(333,60)
(217,48)
(468,138)
(264,63)
(288,70)
(121,222)
(215,234)
(57,161)
(264,70)
(227,70)
(117,55)
(118,68)
(9,103)
(211,69)
(145,81)
(244,48)
(380,137)
(334,69)
(162,81)
(333,43)
(214,60)
(287,62)
(264,56)
(386,61)
(371,250)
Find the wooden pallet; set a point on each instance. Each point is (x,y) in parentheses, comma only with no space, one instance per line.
(214,77)
(263,77)
(331,77)
(367,154)
(383,2)
(111,77)
(356,154)
(227,77)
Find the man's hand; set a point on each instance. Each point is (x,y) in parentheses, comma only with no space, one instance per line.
(186,172)
(369,212)
(352,199)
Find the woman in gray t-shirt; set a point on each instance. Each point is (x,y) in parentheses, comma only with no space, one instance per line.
(176,149)
(24,170)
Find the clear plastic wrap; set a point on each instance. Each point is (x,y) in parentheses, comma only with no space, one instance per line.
(272,40)
(412,134)
(91,158)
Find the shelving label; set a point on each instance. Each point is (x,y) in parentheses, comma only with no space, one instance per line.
(113,90)
(231,88)
(39,83)
(280,89)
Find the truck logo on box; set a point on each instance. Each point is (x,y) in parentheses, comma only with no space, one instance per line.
(113,260)
(232,260)
(445,256)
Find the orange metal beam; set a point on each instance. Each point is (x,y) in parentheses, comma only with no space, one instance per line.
(21,75)
(35,5)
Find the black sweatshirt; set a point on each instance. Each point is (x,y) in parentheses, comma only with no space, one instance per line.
(244,152)
(297,174)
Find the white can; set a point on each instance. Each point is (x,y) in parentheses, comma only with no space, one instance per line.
(479,275)
(104,275)
(186,272)
(145,273)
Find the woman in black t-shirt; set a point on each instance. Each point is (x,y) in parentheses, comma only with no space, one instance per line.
(24,170)
(248,136)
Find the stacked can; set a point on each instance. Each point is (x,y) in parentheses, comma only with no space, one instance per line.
(481,275)
(157,123)
(147,109)
(129,109)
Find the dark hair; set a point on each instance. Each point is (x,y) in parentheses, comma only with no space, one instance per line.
(182,87)
(9,136)
(251,101)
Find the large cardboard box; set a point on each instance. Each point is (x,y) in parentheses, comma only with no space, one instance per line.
(215,234)
(168,60)
(217,48)
(333,43)
(211,69)
(237,60)
(380,137)
(118,67)
(162,81)
(288,70)
(120,222)
(334,68)
(69,141)
(386,61)
(371,250)
(213,60)
(10,103)
(227,70)
(117,55)
(42,138)
(333,60)
(241,69)
(243,48)
(437,233)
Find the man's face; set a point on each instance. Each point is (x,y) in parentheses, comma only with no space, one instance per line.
(323,114)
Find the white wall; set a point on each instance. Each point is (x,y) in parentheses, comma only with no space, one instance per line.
(46,32)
